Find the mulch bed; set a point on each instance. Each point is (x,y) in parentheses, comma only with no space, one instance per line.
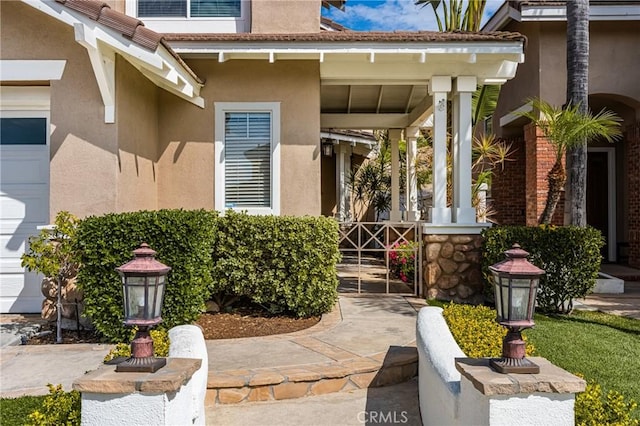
(244,321)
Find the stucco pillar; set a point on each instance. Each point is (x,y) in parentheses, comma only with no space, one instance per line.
(462,211)
(438,88)
(343,166)
(394,137)
(411,135)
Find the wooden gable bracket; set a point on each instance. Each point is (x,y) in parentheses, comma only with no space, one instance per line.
(103,62)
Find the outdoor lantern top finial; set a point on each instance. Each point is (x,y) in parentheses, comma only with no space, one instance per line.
(144,262)
(516,263)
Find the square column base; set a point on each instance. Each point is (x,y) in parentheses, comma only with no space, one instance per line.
(440,215)
(464,215)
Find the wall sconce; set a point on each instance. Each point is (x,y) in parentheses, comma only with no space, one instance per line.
(327,149)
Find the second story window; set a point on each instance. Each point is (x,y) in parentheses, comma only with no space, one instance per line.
(189,8)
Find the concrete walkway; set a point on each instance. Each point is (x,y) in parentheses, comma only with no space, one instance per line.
(625,304)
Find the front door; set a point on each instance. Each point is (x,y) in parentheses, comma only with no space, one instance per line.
(601,197)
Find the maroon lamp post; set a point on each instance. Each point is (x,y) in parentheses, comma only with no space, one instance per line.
(516,283)
(143,282)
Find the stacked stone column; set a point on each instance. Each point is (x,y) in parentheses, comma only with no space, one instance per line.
(452,268)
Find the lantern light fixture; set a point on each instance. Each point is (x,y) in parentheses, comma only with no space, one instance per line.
(143,283)
(515,285)
(327,148)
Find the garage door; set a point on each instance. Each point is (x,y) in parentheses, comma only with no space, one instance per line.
(24,204)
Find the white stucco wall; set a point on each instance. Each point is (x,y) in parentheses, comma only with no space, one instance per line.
(447,398)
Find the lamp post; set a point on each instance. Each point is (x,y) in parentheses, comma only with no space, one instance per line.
(143,283)
(515,284)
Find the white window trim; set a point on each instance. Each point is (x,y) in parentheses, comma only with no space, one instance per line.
(221,108)
(241,24)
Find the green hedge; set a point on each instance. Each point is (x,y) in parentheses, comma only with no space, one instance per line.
(183,241)
(286,264)
(569,255)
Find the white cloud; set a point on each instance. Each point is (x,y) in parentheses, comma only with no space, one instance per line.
(388,16)
(393,15)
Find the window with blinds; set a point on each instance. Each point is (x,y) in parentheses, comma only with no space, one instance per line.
(247,159)
(196,8)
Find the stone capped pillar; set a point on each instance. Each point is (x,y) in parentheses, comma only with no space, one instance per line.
(462,211)
(439,87)
(394,137)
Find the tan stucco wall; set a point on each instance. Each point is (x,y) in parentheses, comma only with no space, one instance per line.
(83,147)
(285,16)
(612,57)
(137,123)
(186,164)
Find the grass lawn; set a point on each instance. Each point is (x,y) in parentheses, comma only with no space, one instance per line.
(14,412)
(603,347)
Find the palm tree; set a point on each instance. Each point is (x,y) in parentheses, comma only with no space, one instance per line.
(565,129)
(577,94)
(454,16)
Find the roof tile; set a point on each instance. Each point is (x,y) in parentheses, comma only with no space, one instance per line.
(92,9)
(352,36)
(119,22)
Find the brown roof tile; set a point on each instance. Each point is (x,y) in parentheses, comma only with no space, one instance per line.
(129,27)
(352,36)
(517,4)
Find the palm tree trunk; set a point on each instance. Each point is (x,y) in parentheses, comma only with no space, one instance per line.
(577,94)
(556,178)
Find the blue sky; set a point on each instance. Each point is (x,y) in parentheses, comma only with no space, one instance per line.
(391,15)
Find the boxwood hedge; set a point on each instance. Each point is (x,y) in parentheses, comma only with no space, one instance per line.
(569,255)
(182,239)
(286,264)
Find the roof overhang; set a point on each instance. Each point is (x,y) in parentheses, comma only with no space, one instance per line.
(531,12)
(102,43)
(374,85)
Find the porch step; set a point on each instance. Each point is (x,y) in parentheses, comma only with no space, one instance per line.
(397,365)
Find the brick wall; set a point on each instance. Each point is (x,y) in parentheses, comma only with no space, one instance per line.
(633,168)
(520,191)
(508,187)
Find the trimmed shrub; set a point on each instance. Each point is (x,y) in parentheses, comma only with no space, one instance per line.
(58,408)
(285,264)
(594,408)
(476,331)
(569,255)
(182,240)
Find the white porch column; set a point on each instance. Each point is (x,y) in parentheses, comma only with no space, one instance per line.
(411,135)
(343,167)
(462,211)
(438,88)
(394,137)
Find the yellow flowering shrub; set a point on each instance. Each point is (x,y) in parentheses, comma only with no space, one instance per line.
(594,409)
(160,345)
(476,330)
(58,408)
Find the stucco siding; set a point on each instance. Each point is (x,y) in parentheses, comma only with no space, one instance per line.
(187,132)
(285,16)
(83,148)
(137,123)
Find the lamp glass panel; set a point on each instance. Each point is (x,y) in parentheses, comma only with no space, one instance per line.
(497,293)
(135,288)
(159,295)
(521,289)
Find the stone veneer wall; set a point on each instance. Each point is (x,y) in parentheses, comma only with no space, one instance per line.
(452,268)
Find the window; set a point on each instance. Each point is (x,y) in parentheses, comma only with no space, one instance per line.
(192,16)
(195,8)
(23,131)
(248,157)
